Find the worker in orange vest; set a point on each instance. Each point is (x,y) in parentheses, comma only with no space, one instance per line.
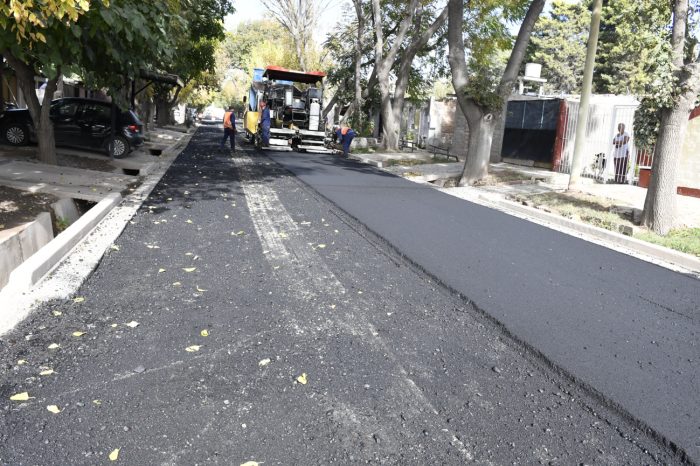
(229,129)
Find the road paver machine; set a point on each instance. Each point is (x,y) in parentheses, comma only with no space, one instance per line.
(295,100)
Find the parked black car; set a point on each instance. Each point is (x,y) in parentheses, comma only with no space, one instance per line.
(80,123)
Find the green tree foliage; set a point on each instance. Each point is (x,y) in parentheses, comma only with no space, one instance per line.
(106,42)
(558,43)
(633,47)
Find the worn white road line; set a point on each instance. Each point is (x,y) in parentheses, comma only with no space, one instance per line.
(296,262)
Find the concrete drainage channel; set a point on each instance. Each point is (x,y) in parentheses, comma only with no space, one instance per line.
(30,252)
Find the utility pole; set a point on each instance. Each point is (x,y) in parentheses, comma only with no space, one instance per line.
(582,122)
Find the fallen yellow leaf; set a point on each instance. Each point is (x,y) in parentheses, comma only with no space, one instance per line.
(54,346)
(321,246)
(188,221)
(78,334)
(56,313)
(47,372)
(264,362)
(53,408)
(114,325)
(177,284)
(250,463)
(204,333)
(97,402)
(161,270)
(189,269)
(188,253)
(21,362)
(24,396)
(114,455)
(132,324)
(79,299)
(193,348)
(302,379)
(225,216)
(200,289)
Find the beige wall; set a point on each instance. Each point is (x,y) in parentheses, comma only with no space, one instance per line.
(689,170)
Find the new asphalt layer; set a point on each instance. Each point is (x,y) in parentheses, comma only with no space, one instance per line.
(625,328)
(243,317)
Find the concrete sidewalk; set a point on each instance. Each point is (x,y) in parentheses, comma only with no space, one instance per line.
(543,181)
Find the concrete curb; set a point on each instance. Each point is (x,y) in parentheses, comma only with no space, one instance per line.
(34,268)
(660,253)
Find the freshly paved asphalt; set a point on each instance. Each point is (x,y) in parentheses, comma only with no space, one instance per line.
(626,328)
(399,370)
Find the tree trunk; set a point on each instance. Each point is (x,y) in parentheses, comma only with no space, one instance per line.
(660,202)
(40,112)
(383,64)
(482,124)
(481,137)
(163,111)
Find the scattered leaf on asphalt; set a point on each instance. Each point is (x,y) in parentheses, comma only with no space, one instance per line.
(336,231)
(282,234)
(161,270)
(97,402)
(132,324)
(204,333)
(189,269)
(54,346)
(114,455)
(238,233)
(193,348)
(225,216)
(114,325)
(78,334)
(24,396)
(53,408)
(79,299)
(47,372)
(188,221)
(321,246)
(302,379)
(21,362)
(56,313)
(188,253)
(264,362)
(177,284)
(201,290)
(332,306)
(250,463)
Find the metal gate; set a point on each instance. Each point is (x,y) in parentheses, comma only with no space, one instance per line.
(598,150)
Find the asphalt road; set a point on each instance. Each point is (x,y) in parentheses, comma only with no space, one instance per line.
(267,325)
(625,328)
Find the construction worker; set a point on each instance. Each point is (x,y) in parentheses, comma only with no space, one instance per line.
(229,129)
(345,135)
(265,123)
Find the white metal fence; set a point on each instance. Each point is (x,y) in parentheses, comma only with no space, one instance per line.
(605,114)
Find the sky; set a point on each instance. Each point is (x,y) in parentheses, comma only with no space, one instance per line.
(247,10)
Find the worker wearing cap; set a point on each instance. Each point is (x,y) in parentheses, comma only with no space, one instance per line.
(265,123)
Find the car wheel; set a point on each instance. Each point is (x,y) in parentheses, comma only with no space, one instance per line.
(121,147)
(15,134)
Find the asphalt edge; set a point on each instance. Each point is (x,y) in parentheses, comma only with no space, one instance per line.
(21,294)
(614,407)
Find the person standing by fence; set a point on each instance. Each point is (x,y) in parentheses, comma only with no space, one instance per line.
(621,153)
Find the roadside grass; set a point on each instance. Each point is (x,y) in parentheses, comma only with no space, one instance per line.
(413,162)
(604,213)
(683,239)
(504,177)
